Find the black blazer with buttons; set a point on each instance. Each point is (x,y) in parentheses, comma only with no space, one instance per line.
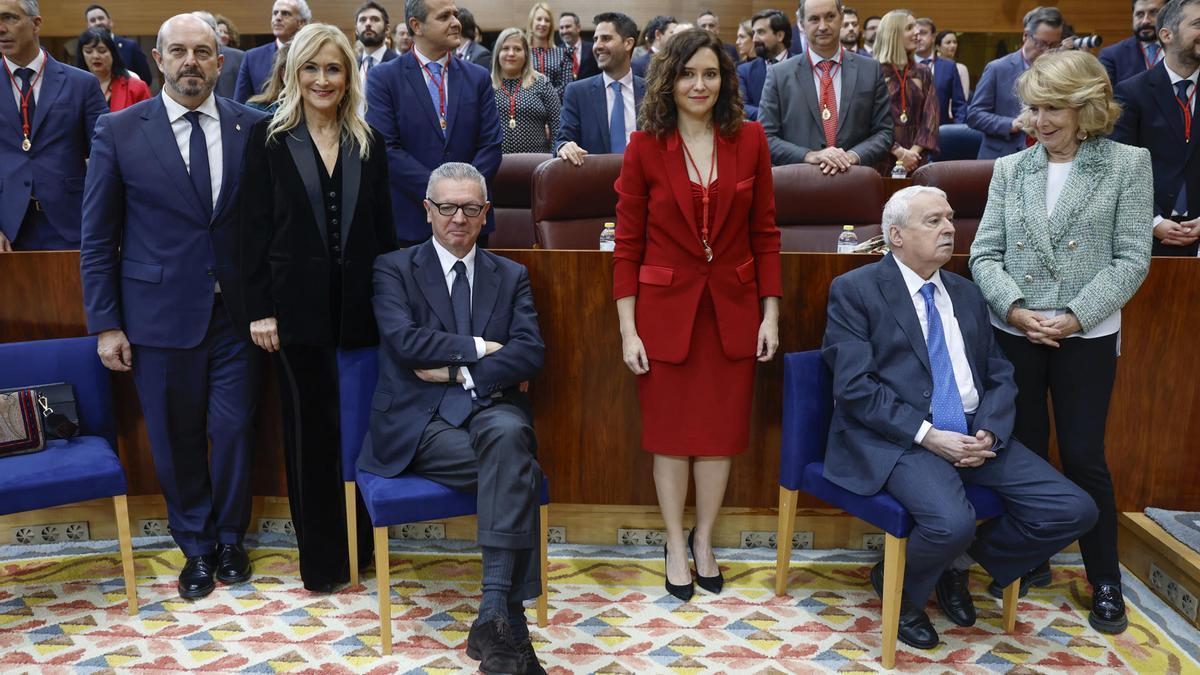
(416,325)
(283,255)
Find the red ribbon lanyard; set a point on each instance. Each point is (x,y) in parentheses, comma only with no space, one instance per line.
(1187,113)
(576,57)
(26,123)
(512,100)
(539,53)
(704,187)
(1146,58)
(441,87)
(837,65)
(903,89)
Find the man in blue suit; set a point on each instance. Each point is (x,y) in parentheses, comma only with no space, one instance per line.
(946,81)
(1153,118)
(600,112)
(287,18)
(1139,52)
(45,142)
(772,35)
(927,409)
(432,109)
(458,335)
(131,52)
(657,31)
(994,108)
(160,290)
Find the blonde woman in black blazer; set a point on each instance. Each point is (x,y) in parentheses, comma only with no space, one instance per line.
(315,213)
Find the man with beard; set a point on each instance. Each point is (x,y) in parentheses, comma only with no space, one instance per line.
(158,288)
(583,62)
(227,81)
(599,112)
(1139,52)
(851,32)
(772,35)
(371,25)
(287,17)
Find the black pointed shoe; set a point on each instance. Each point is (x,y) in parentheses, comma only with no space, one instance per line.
(491,643)
(915,628)
(233,564)
(1038,577)
(1108,609)
(684,591)
(532,665)
(954,597)
(196,579)
(712,584)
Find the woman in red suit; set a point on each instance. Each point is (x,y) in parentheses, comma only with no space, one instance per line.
(98,54)
(697,284)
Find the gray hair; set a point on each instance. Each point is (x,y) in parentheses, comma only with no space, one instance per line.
(158,43)
(415,9)
(897,210)
(1171,15)
(1042,15)
(30,7)
(302,9)
(455,171)
(206,17)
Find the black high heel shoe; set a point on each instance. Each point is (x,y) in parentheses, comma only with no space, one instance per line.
(712,584)
(683,592)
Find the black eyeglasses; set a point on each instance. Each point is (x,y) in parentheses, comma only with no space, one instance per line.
(448,209)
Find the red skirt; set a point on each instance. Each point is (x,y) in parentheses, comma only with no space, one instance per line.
(700,407)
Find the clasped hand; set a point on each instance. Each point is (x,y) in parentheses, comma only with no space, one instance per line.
(960,450)
(442,375)
(831,160)
(1046,331)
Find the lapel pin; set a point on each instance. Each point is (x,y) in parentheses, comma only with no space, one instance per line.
(237,127)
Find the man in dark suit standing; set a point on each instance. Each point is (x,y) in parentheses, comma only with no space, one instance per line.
(372,25)
(772,35)
(1139,52)
(131,52)
(924,410)
(707,20)
(583,62)
(458,335)
(851,32)
(600,112)
(47,113)
(826,107)
(947,83)
(231,57)
(432,109)
(1159,106)
(469,49)
(657,31)
(287,18)
(159,290)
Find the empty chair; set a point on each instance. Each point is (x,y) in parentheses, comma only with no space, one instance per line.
(957,141)
(572,203)
(811,208)
(965,183)
(512,192)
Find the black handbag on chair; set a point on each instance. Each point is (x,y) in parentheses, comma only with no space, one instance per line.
(30,416)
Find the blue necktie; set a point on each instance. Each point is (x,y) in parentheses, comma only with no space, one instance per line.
(455,407)
(198,164)
(26,76)
(436,80)
(947,404)
(1152,53)
(1181,92)
(616,123)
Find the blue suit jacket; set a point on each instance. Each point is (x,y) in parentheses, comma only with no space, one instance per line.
(1123,60)
(1151,119)
(640,64)
(400,108)
(255,71)
(751,76)
(994,105)
(67,108)
(584,116)
(949,89)
(134,58)
(150,257)
(416,327)
(882,381)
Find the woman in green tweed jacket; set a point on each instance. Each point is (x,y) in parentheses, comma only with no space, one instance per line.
(1063,244)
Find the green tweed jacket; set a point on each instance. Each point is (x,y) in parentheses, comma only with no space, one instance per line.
(1090,255)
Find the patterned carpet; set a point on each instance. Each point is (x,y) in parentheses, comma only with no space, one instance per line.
(64,611)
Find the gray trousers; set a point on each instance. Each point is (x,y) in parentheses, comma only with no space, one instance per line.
(493,455)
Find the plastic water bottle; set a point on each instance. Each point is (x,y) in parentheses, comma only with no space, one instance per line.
(608,237)
(898,170)
(847,240)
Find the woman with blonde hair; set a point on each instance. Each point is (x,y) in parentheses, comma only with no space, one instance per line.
(528,105)
(745,42)
(548,59)
(316,211)
(1063,244)
(910,87)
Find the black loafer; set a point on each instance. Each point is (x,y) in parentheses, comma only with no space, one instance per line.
(1038,577)
(915,628)
(490,642)
(954,597)
(532,665)
(1108,609)
(712,584)
(233,564)
(196,579)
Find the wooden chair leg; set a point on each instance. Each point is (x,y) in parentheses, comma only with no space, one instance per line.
(783,538)
(544,556)
(384,589)
(352,530)
(121,506)
(1011,594)
(894,550)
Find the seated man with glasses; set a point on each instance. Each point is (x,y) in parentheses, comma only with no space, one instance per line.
(458,335)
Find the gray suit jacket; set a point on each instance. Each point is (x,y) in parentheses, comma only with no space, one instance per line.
(227,81)
(480,55)
(790,114)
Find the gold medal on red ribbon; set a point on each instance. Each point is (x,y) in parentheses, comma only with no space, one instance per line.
(903,118)
(512,123)
(825,113)
(26,145)
(443,121)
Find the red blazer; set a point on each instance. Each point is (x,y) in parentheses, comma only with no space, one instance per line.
(659,257)
(125,91)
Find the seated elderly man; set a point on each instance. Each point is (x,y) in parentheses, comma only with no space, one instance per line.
(925,405)
(458,335)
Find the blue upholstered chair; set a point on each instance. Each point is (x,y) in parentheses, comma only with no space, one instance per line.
(400,500)
(807,409)
(75,470)
(957,141)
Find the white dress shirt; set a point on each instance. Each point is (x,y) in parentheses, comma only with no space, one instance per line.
(36,66)
(377,55)
(210,123)
(447,260)
(814,59)
(626,98)
(445,61)
(950,329)
(929,62)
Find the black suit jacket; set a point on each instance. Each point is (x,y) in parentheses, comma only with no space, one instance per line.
(587,60)
(882,381)
(479,55)
(283,255)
